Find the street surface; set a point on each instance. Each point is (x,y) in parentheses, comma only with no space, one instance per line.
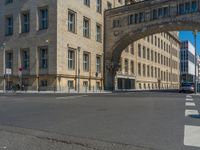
(118,121)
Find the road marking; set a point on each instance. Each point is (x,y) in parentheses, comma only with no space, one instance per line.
(71,97)
(189,99)
(192,136)
(189,96)
(4,147)
(189,104)
(189,112)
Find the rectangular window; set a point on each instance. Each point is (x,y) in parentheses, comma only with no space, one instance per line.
(25,59)
(139,50)
(86,27)
(44,83)
(9,26)
(98,64)
(25,22)
(8,2)
(144,52)
(98,33)
(130,19)
(151,55)
(86,62)
(43,18)
(148,54)
(9,60)
(70,84)
(132,67)
(99,6)
(139,69)
(109,5)
(144,70)
(126,67)
(43,57)
(148,71)
(87,3)
(71,21)
(71,59)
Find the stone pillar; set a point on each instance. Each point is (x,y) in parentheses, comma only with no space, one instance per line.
(109,75)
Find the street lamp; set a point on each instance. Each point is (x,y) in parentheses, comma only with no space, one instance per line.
(78,53)
(195,45)
(4,66)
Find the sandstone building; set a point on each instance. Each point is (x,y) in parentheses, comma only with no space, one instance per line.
(58,45)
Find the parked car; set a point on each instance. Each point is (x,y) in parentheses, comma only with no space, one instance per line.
(187,88)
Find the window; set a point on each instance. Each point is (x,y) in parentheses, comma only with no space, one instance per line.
(144,52)
(86,27)
(25,22)
(98,64)
(9,60)
(8,1)
(99,6)
(139,69)
(44,83)
(109,5)
(148,54)
(130,19)
(9,25)
(194,6)
(151,55)
(155,72)
(86,62)
(116,23)
(98,33)
(148,71)
(71,59)
(85,84)
(71,21)
(43,18)
(25,59)
(43,58)
(132,67)
(70,84)
(126,67)
(152,71)
(139,50)
(87,3)
(144,70)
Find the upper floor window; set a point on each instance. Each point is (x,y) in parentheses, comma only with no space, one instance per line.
(43,57)
(9,25)
(86,27)
(25,59)
(43,18)
(126,65)
(25,22)
(98,33)
(98,64)
(87,2)
(99,6)
(71,59)
(109,5)
(71,21)
(9,60)
(8,1)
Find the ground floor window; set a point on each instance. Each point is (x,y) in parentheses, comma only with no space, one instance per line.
(43,83)
(70,84)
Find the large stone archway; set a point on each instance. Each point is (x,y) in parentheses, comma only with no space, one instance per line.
(129,23)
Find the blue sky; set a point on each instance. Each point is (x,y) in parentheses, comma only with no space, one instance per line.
(188,35)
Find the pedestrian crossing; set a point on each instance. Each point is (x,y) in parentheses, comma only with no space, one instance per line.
(191,132)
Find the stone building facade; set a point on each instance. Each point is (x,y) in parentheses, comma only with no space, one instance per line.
(53,45)
(150,63)
(58,45)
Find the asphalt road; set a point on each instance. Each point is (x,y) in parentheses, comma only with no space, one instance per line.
(135,121)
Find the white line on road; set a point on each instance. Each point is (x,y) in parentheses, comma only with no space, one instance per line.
(189,99)
(189,104)
(4,147)
(71,97)
(192,136)
(189,112)
(189,96)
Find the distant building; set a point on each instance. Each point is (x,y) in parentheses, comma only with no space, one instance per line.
(187,62)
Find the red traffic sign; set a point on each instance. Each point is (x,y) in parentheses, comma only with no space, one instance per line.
(20,69)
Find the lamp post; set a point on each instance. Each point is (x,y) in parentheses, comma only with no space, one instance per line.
(4,66)
(195,45)
(78,87)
